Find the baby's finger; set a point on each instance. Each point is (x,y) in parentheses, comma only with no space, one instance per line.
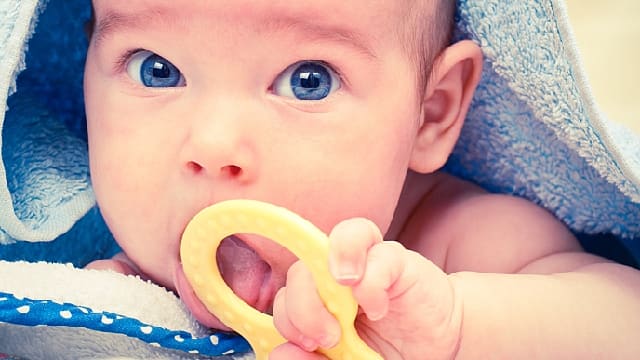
(289,351)
(348,244)
(385,268)
(305,320)
(280,318)
(113,264)
(306,310)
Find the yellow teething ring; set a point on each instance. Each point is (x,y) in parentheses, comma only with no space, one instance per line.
(198,249)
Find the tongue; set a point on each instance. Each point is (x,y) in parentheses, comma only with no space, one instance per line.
(242,269)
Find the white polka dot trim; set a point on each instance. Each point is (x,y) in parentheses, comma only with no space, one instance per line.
(65,314)
(214,339)
(106,320)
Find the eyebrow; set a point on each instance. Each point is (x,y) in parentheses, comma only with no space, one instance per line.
(314,31)
(114,21)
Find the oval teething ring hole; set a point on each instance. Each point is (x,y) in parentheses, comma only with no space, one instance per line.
(247,274)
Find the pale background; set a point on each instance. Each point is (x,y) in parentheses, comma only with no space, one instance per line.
(608,38)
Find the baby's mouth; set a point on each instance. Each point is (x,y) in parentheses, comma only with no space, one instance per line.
(245,273)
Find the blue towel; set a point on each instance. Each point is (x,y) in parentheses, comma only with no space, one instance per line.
(44,176)
(533,130)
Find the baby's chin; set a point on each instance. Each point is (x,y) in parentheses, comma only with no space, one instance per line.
(197,309)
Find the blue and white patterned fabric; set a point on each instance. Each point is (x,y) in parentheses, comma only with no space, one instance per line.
(31,312)
(76,313)
(534,130)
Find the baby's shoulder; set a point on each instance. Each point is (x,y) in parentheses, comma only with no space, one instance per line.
(459,220)
(468,204)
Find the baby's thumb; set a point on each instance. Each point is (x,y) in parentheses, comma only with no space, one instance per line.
(349,243)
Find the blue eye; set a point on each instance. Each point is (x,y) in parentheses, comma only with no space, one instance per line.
(152,70)
(307,80)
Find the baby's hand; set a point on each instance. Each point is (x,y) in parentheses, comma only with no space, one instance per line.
(407,305)
(120,263)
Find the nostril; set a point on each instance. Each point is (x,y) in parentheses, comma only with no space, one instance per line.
(227,171)
(232,170)
(194,167)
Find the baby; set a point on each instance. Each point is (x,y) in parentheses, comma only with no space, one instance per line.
(342,111)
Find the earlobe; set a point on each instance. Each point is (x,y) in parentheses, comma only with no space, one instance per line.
(455,75)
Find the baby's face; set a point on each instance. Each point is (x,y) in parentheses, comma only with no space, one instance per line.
(307,104)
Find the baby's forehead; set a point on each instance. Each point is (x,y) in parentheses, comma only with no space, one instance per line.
(305,10)
(361,18)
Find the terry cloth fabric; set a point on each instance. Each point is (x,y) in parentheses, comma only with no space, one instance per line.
(99,313)
(533,130)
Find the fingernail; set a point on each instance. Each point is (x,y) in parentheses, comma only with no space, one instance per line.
(329,340)
(307,343)
(342,270)
(348,271)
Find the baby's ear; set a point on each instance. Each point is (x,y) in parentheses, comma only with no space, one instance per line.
(453,80)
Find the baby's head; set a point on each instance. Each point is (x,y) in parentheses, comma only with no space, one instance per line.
(308,104)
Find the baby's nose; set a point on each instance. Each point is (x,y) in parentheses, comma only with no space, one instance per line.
(227,160)
(222,145)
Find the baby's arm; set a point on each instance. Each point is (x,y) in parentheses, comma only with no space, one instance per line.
(528,288)
(592,311)
(562,303)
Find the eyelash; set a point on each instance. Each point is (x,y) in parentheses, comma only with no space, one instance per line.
(120,65)
(336,70)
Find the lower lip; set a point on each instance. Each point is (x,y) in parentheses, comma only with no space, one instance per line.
(263,303)
(193,303)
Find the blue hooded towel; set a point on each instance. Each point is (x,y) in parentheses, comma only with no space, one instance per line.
(533,130)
